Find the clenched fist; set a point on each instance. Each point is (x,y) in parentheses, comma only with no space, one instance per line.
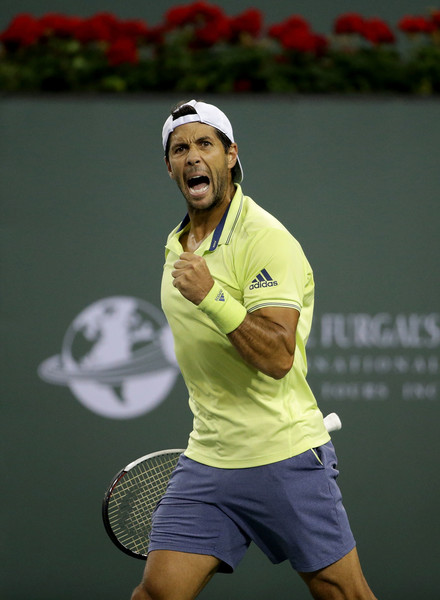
(192,277)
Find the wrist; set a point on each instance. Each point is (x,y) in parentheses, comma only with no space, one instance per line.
(226,312)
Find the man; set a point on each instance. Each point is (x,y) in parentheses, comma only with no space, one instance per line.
(237,291)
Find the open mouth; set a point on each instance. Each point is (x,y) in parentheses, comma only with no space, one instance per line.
(198,185)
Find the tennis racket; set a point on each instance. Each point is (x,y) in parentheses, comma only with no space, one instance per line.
(134,492)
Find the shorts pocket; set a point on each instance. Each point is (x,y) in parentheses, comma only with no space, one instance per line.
(316,454)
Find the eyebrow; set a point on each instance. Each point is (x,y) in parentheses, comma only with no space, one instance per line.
(202,138)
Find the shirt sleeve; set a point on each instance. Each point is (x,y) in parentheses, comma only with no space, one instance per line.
(275,272)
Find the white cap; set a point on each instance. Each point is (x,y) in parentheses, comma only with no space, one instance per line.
(208,114)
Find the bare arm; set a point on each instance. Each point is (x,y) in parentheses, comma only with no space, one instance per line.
(266,337)
(266,340)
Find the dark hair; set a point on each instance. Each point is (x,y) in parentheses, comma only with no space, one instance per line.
(180,110)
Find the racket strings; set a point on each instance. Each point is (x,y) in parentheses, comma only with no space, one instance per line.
(134,498)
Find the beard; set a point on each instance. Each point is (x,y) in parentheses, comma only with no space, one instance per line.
(218,192)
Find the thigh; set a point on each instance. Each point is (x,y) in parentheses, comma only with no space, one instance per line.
(175,575)
(189,518)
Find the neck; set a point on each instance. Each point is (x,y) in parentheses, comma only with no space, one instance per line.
(203,222)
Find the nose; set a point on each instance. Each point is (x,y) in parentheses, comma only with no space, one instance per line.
(193,156)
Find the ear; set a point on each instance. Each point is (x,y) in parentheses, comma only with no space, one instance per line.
(232,155)
(170,171)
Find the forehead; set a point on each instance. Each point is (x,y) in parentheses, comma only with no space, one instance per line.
(191,132)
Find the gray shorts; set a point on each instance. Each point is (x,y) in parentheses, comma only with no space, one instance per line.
(291,509)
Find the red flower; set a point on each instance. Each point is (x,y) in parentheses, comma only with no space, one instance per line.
(134,28)
(123,50)
(435,16)
(192,13)
(321,44)
(250,21)
(378,32)
(349,23)
(178,15)
(412,24)
(295,34)
(206,10)
(213,32)
(59,25)
(300,40)
(210,23)
(101,27)
(23,30)
(295,22)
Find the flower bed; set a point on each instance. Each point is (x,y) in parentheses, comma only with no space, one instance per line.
(198,48)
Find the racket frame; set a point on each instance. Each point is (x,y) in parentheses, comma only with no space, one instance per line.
(116,479)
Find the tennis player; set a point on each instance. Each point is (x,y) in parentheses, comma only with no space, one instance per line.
(237,291)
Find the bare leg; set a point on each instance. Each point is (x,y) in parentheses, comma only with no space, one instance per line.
(343,580)
(171,575)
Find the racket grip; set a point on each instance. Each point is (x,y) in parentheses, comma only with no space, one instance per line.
(332,422)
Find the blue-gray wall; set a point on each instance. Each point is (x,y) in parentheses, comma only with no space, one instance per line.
(86,205)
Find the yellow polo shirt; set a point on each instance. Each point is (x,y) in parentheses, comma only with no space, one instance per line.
(243,418)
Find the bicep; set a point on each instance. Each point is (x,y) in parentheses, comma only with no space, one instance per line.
(286,321)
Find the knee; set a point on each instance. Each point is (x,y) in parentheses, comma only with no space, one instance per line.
(140,593)
(148,591)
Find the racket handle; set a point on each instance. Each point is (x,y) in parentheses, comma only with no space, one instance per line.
(332,422)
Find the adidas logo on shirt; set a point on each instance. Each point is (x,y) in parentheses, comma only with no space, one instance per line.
(220,296)
(263,279)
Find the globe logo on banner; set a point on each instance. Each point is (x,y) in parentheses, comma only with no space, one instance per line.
(117,358)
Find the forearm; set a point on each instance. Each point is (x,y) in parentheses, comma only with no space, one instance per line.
(264,339)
